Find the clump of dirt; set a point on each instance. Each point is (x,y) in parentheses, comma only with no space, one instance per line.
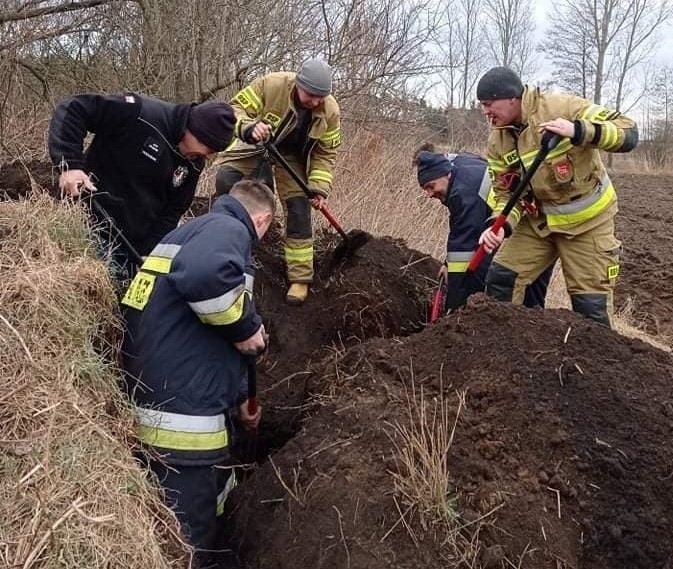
(561,454)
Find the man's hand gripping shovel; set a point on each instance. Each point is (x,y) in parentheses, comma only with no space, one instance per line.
(547,144)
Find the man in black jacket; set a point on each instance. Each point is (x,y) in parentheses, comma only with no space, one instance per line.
(144,161)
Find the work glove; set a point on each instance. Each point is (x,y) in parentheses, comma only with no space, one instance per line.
(246,134)
(315,192)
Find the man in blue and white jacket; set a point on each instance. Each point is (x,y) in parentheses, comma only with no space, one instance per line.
(191,330)
(461,183)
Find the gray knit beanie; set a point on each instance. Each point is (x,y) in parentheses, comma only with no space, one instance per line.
(499,83)
(315,77)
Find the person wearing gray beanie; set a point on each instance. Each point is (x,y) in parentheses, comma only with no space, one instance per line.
(315,77)
(568,212)
(300,115)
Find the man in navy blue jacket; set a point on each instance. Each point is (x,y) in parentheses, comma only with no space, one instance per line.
(461,183)
(145,160)
(191,329)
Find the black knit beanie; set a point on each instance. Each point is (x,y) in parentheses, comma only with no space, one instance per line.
(431,166)
(212,123)
(499,83)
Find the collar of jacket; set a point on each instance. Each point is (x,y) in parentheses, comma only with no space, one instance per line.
(227,205)
(177,115)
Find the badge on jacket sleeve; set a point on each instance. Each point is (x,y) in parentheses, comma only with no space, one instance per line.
(179,176)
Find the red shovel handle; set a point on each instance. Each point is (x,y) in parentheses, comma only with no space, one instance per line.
(437,301)
(252,405)
(478,257)
(332,220)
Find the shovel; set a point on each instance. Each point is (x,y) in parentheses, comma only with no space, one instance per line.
(437,303)
(352,240)
(548,143)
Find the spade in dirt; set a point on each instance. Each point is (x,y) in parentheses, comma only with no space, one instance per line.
(351,241)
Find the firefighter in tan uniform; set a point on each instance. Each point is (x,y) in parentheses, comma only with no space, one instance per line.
(570,209)
(298,113)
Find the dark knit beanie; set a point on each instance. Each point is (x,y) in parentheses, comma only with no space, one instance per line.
(431,166)
(315,77)
(499,83)
(212,123)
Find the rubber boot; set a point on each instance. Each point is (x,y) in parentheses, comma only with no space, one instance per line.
(297,293)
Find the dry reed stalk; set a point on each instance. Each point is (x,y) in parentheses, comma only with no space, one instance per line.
(71,494)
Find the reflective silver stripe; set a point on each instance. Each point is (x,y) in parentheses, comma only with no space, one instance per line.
(485,186)
(166,250)
(225,301)
(578,205)
(249,282)
(176,422)
(451,157)
(222,496)
(459,255)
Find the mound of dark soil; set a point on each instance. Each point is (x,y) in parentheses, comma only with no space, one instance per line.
(563,446)
(380,291)
(643,225)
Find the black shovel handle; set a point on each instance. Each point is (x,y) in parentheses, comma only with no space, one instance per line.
(547,144)
(252,385)
(271,148)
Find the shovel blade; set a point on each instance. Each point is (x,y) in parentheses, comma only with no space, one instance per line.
(355,239)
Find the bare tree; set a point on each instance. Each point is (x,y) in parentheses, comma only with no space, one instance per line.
(510,29)
(645,18)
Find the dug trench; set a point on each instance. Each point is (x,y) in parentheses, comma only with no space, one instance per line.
(559,455)
(559,458)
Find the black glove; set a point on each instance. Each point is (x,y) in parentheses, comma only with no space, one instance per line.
(246,133)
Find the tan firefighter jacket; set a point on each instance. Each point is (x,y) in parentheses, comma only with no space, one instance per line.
(571,188)
(270,98)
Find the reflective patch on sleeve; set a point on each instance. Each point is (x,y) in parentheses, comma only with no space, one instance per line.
(272,119)
(613,271)
(139,291)
(511,158)
(130,99)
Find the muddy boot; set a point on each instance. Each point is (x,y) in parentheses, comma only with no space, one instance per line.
(297,293)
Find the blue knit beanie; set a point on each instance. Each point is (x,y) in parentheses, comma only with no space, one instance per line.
(431,166)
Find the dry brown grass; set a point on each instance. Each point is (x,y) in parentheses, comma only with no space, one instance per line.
(70,493)
(422,440)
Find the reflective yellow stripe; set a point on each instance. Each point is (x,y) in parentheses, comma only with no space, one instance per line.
(613,271)
(303,255)
(228,316)
(605,199)
(182,440)
(247,98)
(609,136)
(457,266)
(321,176)
(157,264)
(596,113)
(331,138)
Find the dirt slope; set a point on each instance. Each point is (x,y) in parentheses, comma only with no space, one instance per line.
(578,428)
